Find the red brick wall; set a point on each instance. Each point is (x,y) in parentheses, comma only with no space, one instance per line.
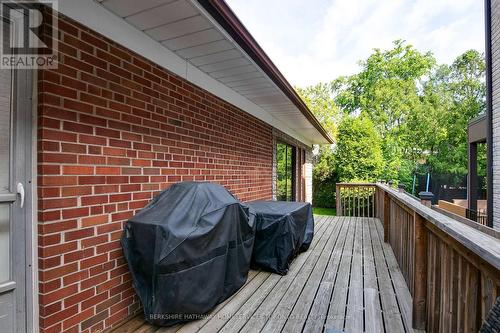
(113,129)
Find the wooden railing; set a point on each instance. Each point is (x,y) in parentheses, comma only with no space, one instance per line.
(452,270)
(356,200)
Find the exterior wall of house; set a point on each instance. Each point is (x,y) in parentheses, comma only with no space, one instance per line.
(495,33)
(113,130)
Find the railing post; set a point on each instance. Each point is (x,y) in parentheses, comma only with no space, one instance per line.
(387,216)
(419,316)
(426,198)
(337,200)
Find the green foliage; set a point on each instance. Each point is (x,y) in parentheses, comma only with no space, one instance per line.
(402,112)
(358,155)
(405,175)
(386,87)
(324,192)
(386,90)
(320,101)
(324,166)
(461,90)
(420,109)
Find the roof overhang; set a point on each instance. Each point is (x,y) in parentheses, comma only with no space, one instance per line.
(223,14)
(205,43)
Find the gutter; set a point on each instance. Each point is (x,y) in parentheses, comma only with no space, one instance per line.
(224,16)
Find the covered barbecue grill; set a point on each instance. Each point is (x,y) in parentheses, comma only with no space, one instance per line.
(284,229)
(188,250)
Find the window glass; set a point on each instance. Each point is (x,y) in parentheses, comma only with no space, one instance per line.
(284,170)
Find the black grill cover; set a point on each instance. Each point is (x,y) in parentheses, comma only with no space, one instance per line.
(284,229)
(188,250)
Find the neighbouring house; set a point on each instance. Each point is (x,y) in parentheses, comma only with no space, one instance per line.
(146,93)
(486,128)
(493,103)
(475,207)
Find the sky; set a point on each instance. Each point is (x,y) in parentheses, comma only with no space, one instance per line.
(313,41)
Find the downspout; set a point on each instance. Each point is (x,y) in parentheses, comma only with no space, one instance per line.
(489,113)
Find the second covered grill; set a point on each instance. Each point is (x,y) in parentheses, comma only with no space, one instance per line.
(283,230)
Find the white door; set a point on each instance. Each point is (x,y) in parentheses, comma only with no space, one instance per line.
(15,206)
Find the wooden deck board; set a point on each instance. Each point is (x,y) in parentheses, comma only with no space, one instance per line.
(319,309)
(338,302)
(400,288)
(302,309)
(223,316)
(247,311)
(266,312)
(354,321)
(373,309)
(282,311)
(348,280)
(297,308)
(391,313)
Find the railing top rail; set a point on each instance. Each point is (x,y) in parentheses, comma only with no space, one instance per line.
(357,184)
(483,245)
(481,227)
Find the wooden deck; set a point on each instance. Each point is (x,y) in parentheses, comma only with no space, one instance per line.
(348,280)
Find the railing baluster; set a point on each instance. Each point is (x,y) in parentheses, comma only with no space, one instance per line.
(358,191)
(348,202)
(374,204)
(343,195)
(366,205)
(351,202)
(369,198)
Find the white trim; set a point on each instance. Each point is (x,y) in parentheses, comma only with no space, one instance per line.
(33,308)
(101,20)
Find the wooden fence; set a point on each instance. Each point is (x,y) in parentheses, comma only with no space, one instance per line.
(451,269)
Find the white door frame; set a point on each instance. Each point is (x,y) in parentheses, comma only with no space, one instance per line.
(26,149)
(23,166)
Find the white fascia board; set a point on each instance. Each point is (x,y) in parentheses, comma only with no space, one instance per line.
(94,16)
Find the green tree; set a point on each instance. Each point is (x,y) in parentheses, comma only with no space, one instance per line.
(320,101)
(459,93)
(419,112)
(387,90)
(358,155)
(324,177)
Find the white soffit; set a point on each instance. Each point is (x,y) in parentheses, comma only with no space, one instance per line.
(184,28)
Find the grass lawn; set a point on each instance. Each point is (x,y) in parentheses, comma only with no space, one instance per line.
(324,211)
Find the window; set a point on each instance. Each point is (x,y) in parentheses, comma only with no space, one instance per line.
(285,171)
